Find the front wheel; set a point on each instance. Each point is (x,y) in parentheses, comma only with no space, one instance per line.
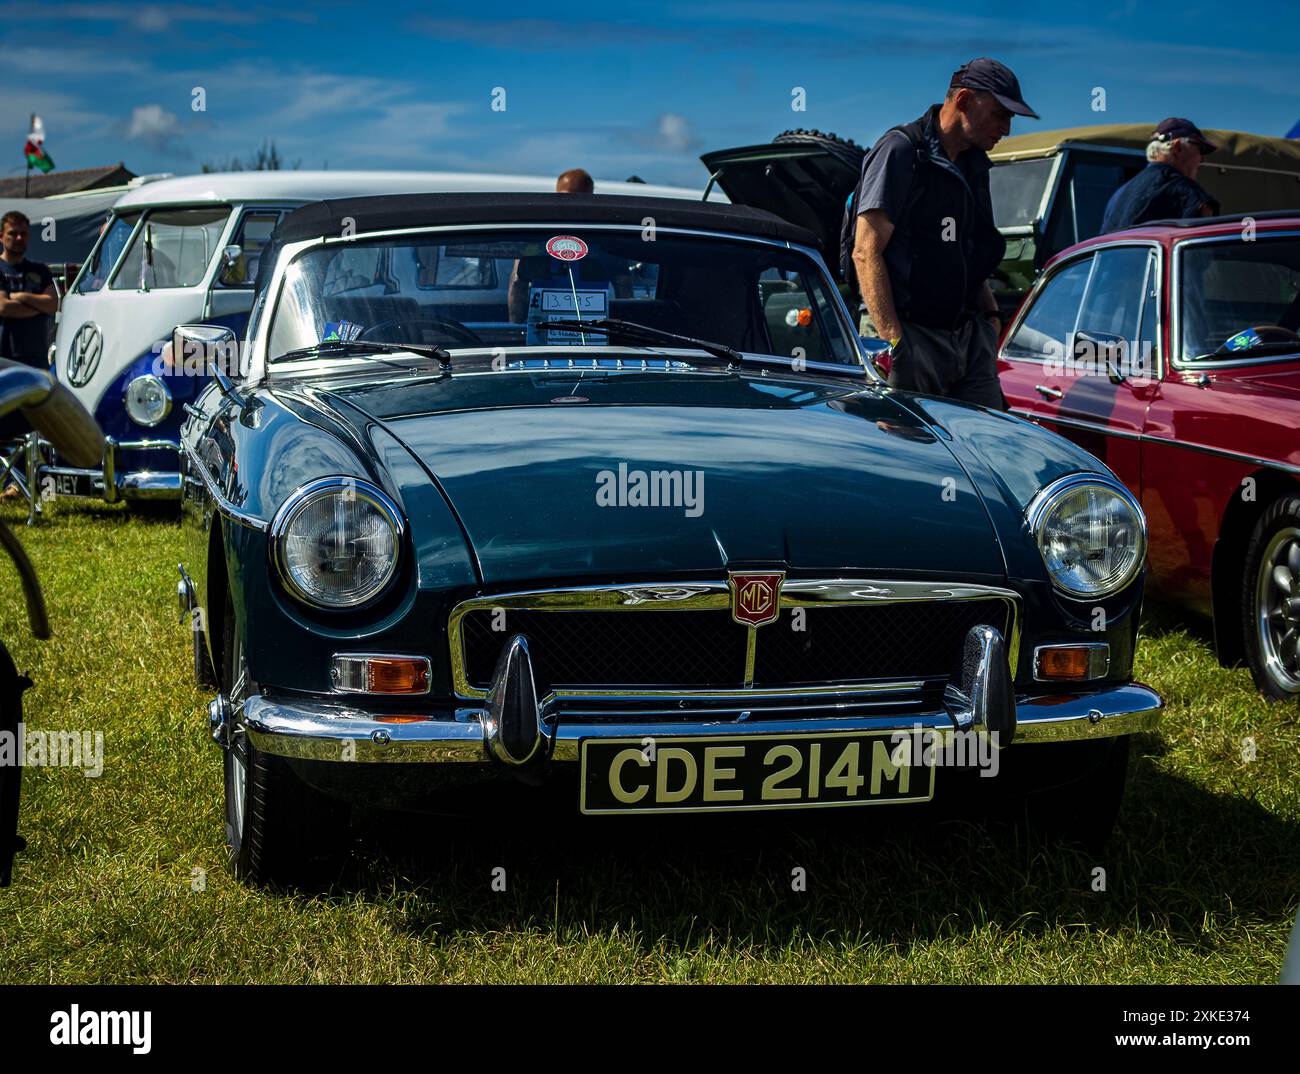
(278,829)
(204,674)
(12,686)
(1270,601)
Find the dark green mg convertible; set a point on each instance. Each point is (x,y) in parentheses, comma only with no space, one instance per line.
(602,491)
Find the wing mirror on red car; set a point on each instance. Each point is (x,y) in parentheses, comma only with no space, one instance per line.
(1095,350)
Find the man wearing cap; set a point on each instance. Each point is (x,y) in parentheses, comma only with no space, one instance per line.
(924,240)
(1166,189)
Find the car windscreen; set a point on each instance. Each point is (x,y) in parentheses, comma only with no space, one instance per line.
(1239,298)
(1017,190)
(499,288)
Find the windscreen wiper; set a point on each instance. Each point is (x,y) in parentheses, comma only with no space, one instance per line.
(640,333)
(363,346)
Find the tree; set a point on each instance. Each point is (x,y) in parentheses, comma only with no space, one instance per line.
(266,159)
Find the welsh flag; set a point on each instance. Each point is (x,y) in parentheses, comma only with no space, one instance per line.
(35,147)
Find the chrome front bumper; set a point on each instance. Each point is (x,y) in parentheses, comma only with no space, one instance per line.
(108,482)
(321,731)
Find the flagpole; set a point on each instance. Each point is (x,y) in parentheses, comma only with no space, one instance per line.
(27,181)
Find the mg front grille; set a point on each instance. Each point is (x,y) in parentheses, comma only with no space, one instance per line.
(886,641)
(656,648)
(624,649)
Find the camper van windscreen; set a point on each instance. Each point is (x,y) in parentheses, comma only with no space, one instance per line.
(172,249)
(105,255)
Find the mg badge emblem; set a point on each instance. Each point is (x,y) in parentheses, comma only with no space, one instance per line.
(755,596)
(83,355)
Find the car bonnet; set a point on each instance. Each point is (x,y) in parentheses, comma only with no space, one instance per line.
(559,476)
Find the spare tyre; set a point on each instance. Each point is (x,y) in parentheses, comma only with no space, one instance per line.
(844,149)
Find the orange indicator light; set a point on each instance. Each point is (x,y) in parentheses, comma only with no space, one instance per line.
(360,673)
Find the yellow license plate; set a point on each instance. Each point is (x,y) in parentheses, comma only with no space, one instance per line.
(735,772)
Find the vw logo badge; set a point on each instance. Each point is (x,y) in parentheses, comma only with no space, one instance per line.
(83,355)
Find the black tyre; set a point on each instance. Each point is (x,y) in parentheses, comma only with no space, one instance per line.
(1270,601)
(1070,791)
(278,829)
(12,686)
(843,149)
(204,674)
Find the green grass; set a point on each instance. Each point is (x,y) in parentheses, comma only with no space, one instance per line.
(1202,874)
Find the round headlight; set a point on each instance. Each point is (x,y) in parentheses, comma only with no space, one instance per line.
(337,542)
(147,400)
(1090,533)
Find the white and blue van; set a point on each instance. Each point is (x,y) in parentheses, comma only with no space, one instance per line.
(186,251)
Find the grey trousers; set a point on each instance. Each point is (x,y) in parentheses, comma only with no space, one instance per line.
(956,365)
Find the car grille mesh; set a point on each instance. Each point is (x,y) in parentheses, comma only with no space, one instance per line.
(706,649)
(886,641)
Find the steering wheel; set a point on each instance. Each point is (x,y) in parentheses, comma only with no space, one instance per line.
(453,329)
(1268,333)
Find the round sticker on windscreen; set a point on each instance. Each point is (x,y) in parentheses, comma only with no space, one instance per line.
(566,248)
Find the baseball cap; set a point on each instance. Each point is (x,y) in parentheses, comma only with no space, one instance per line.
(1175,127)
(995,78)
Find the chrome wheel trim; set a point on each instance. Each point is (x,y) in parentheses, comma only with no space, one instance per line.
(1277,609)
(237,750)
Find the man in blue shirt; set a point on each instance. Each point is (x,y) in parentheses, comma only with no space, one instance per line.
(1166,189)
(27,296)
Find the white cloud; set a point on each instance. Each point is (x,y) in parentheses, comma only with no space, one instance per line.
(41,61)
(344,119)
(289,97)
(65,117)
(403,131)
(148,18)
(153,125)
(675,132)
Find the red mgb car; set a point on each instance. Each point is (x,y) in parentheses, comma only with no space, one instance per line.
(1170,351)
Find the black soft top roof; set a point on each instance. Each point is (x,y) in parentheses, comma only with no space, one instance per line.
(392,211)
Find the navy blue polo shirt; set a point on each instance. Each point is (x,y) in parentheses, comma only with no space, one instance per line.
(25,339)
(1158,192)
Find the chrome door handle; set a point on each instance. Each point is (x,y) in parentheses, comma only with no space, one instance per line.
(1048,393)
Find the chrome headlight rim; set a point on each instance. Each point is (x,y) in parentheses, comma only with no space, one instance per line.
(1050,495)
(306,495)
(167,399)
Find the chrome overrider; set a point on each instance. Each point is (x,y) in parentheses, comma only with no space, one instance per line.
(511,725)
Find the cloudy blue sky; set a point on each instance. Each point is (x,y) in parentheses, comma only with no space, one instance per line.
(618,88)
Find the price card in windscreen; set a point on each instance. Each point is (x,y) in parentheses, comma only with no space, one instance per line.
(563,296)
(551,303)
